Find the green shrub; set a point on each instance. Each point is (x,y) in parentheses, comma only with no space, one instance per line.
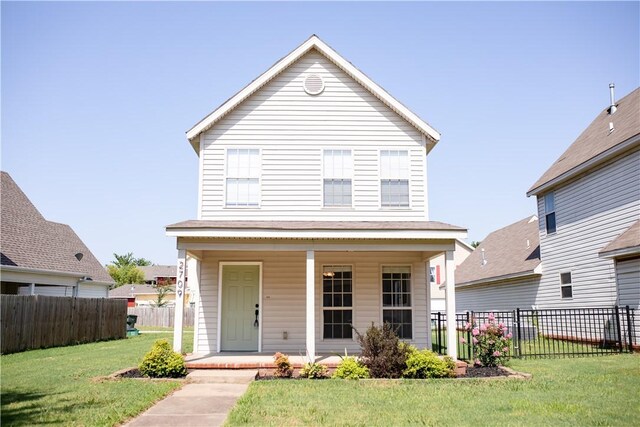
(161,361)
(283,366)
(426,364)
(350,369)
(382,352)
(314,371)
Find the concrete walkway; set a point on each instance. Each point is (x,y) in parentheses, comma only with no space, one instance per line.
(205,400)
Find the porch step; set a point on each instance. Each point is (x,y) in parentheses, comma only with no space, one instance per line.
(222,376)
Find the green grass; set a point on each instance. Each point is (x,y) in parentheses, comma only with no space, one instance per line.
(56,386)
(583,391)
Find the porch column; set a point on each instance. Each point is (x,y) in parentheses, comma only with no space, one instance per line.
(427,266)
(193,267)
(452,335)
(179,310)
(32,289)
(311,326)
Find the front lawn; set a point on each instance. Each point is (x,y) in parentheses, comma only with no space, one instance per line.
(582,391)
(54,386)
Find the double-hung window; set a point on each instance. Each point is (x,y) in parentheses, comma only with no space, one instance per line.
(394,178)
(550,212)
(338,171)
(566,287)
(243,177)
(337,301)
(396,300)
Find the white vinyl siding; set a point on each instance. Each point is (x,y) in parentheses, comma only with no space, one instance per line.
(590,213)
(85,291)
(628,278)
(283,297)
(291,129)
(503,296)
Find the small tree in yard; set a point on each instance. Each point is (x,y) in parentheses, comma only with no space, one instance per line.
(161,295)
(491,342)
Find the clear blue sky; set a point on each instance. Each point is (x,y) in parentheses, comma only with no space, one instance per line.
(96,97)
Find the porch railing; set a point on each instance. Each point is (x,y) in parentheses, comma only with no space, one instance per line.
(549,333)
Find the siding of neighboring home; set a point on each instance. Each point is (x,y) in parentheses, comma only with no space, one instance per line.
(437,293)
(291,128)
(590,213)
(504,296)
(93,291)
(628,275)
(283,297)
(85,291)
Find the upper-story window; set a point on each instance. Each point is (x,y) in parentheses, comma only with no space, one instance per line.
(338,171)
(394,178)
(550,212)
(243,177)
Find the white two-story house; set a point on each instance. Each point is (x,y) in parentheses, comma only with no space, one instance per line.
(312,214)
(589,211)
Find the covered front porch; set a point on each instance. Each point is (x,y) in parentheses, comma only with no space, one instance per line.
(308,289)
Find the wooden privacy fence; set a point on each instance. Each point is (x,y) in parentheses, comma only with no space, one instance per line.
(30,322)
(161,316)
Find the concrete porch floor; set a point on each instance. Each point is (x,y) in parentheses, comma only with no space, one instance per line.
(252,360)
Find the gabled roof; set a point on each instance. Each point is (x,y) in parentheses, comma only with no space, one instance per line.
(29,241)
(510,252)
(596,144)
(626,244)
(153,271)
(313,42)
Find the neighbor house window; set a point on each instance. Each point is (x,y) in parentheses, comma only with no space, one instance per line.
(243,177)
(396,300)
(434,274)
(394,178)
(337,301)
(566,288)
(337,171)
(550,212)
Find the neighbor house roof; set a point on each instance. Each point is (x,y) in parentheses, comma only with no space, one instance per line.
(312,43)
(125,291)
(596,144)
(510,252)
(29,241)
(628,243)
(153,271)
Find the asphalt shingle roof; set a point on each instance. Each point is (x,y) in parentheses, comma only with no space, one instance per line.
(506,253)
(316,225)
(627,240)
(596,139)
(28,240)
(153,271)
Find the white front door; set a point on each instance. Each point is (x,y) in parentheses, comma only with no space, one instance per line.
(240,302)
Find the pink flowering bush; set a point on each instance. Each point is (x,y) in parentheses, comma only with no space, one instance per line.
(490,341)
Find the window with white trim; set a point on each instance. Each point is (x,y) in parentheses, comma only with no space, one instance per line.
(394,178)
(337,172)
(396,300)
(566,287)
(550,212)
(243,177)
(337,301)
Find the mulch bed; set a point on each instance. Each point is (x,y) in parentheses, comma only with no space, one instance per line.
(133,373)
(485,372)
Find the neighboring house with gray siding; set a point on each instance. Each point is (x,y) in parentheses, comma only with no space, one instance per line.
(503,272)
(589,208)
(312,214)
(41,257)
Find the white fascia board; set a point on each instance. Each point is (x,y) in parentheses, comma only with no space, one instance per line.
(589,164)
(492,280)
(346,66)
(271,245)
(619,253)
(16,269)
(318,234)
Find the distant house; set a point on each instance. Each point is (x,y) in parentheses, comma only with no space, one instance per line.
(504,271)
(438,274)
(40,257)
(589,208)
(146,294)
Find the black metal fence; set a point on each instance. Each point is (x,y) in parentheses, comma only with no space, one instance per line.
(548,333)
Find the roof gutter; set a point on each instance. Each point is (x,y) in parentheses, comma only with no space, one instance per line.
(589,164)
(619,253)
(520,275)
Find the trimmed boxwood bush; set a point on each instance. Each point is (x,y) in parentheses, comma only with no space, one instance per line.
(350,369)
(426,364)
(161,362)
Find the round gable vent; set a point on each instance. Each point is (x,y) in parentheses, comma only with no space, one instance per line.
(313,84)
